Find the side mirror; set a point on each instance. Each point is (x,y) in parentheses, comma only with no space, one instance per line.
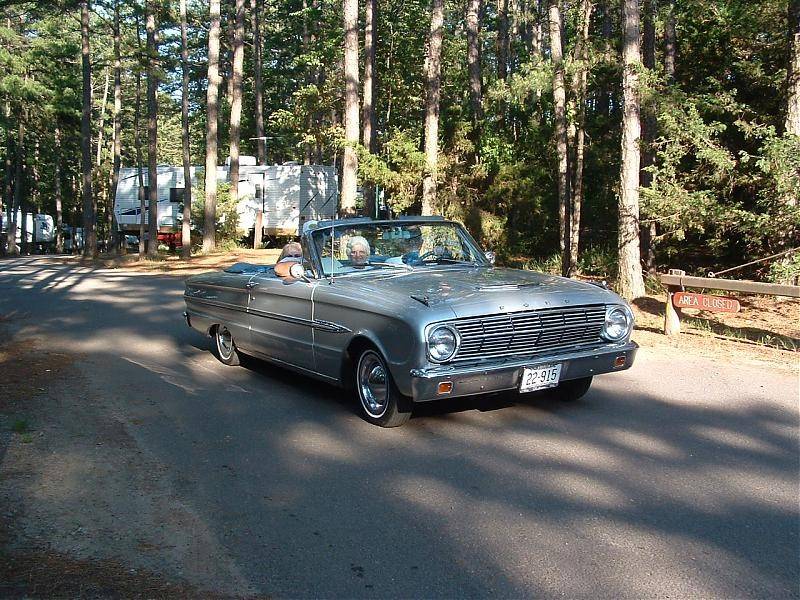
(490,256)
(298,271)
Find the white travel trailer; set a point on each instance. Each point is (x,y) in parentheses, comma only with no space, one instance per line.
(39,228)
(287,195)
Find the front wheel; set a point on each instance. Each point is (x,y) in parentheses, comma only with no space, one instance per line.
(226,347)
(381,402)
(573,389)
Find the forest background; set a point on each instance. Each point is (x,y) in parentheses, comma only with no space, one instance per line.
(615,137)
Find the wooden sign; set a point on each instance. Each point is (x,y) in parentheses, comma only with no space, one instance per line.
(705,302)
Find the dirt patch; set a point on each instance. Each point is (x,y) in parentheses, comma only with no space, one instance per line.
(175,265)
(46,574)
(767,329)
(73,479)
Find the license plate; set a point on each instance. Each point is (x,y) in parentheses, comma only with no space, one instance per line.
(539,378)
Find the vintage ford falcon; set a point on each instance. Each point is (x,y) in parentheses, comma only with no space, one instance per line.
(411,310)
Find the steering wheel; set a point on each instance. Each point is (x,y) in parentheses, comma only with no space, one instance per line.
(428,254)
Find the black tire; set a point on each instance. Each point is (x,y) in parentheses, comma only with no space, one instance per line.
(225,346)
(572,390)
(380,401)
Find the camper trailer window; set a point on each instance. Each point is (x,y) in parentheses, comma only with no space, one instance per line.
(176,194)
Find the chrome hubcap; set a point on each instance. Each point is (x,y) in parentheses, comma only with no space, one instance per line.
(372,385)
(224,343)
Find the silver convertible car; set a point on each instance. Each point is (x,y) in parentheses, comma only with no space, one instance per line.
(411,310)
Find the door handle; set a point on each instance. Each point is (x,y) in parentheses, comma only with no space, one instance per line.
(251,284)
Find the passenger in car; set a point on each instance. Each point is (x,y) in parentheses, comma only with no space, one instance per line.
(358,251)
(291,253)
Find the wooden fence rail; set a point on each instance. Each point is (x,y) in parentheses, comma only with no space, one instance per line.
(676,281)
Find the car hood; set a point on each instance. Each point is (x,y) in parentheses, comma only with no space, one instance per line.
(471,291)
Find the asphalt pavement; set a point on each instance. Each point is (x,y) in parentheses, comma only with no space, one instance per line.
(677,478)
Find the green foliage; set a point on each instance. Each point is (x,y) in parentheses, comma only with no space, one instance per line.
(786,270)
(227,223)
(399,171)
(550,264)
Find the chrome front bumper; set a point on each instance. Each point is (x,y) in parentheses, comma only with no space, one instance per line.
(505,375)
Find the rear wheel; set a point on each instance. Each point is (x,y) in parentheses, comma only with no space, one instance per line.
(226,347)
(573,389)
(381,402)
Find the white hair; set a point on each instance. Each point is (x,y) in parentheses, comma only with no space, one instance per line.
(358,240)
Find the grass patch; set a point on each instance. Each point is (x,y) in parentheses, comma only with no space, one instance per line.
(749,334)
(20,426)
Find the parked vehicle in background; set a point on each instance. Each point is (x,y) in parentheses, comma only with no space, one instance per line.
(419,313)
(287,195)
(39,231)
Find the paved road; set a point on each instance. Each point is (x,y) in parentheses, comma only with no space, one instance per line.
(677,478)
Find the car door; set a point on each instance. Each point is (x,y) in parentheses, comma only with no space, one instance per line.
(281,321)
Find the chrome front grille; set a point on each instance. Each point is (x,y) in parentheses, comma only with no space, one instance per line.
(529,332)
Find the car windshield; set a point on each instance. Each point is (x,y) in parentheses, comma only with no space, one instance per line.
(381,246)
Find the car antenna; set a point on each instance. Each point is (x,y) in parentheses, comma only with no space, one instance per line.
(333,235)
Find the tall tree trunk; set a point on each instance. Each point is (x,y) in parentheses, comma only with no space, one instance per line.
(536,43)
(350,161)
(502,39)
(308,79)
(236,99)
(433,82)
(19,187)
(670,42)
(604,94)
(257,84)
(152,131)
(319,81)
(630,282)
(368,114)
(648,231)
(102,122)
(560,100)
(118,243)
(186,226)
(89,208)
(7,189)
(792,124)
(212,108)
(57,182)
(137,142)
(474,63)
(581,75)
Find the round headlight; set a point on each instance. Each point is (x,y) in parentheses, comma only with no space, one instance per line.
(619,323)
(442,343)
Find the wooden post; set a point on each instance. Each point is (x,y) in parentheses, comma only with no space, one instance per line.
(259,230)
(672,315)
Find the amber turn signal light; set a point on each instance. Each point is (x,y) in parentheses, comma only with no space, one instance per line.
(619,362)
(445,387)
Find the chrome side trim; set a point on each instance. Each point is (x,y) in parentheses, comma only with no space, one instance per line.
(330,326)
(317,324)
(217,303)
(280,317)
(213,286)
